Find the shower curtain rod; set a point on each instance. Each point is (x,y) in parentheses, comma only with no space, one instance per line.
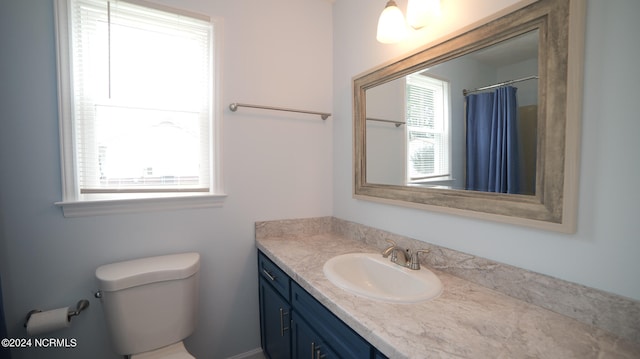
(234,107)
(465,92)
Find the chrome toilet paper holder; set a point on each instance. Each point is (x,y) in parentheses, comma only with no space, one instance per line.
(80,306)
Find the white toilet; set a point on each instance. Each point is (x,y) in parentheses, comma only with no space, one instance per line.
(150,304)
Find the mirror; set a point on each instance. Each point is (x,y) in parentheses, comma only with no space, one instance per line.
(484,124)
(416,125)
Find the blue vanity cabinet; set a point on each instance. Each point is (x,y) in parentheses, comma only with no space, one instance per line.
(275,310)
(306,342)
(335,334)
(295,325)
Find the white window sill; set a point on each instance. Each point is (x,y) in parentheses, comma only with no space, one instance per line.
(108,204)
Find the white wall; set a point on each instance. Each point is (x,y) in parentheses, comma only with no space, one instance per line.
(386,151)
(276,53)
(604,252)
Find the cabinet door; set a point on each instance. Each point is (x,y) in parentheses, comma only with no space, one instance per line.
(334,332)
(275,322)
(306,343)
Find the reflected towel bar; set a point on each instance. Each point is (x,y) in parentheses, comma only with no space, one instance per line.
(397,123)
(234,106)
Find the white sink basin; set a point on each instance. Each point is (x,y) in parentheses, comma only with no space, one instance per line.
(371,276)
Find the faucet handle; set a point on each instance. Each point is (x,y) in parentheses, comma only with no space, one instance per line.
(389,250)
(415,263)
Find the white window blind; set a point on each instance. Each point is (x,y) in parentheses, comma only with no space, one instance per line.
(141,97)
(427,128)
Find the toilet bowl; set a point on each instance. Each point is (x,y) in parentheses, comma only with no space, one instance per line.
(150,304)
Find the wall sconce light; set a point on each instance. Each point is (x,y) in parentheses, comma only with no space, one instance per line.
(421,12)
(392,27)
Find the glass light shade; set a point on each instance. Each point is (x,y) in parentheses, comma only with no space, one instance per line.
(421,12)
(391,25)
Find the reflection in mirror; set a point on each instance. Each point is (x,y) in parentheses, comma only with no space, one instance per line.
(433,127)
(422,130)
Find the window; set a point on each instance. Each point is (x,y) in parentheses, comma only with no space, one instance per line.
(137,90)
(427,129)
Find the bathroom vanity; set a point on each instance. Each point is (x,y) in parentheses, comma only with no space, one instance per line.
(295,325)
(304,315)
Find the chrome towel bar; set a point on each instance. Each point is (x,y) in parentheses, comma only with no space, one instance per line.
(234,107)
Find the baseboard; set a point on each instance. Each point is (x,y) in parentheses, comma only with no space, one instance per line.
(251,354)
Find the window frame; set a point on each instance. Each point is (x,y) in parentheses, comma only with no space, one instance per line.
(446,129)
(75,204)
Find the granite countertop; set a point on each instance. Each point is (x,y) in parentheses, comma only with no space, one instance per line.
(466,321)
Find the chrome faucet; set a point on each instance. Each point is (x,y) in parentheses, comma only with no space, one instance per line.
(393,251)
(406,258)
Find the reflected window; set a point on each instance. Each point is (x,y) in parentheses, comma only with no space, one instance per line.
(427,129)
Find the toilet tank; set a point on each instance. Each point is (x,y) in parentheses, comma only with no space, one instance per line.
(150,303)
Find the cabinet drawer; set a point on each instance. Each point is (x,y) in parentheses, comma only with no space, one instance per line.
(273,275)
(334,332)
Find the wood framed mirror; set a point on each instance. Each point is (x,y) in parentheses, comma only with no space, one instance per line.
(415,141)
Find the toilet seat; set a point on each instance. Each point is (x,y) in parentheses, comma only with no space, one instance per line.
(173,351)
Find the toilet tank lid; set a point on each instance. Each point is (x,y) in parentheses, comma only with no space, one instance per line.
(122,275)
